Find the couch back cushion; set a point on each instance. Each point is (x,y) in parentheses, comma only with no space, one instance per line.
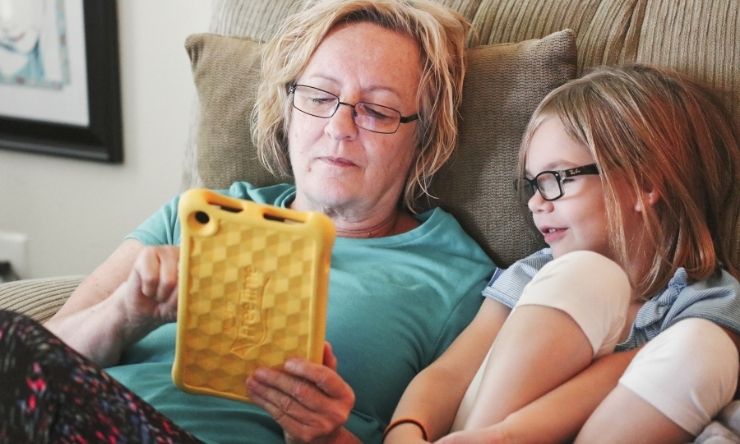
(696,37)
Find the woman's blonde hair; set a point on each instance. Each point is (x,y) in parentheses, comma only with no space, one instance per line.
(653,129)
(440,34)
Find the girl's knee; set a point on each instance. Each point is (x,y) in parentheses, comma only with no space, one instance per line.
(688,372)
(592,289)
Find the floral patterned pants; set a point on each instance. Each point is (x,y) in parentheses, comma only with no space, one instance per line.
(49,393)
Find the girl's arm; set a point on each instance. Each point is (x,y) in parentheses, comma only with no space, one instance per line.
(546,418)
(558,415)
(434,395)
(736,339)
(563,411)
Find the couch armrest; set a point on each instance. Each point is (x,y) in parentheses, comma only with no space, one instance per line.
(37,298)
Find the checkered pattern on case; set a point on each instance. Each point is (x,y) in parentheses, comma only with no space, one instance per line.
(266,322)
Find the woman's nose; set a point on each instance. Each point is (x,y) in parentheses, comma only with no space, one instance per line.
(342,124)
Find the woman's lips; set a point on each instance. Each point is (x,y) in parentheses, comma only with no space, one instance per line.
(337,161)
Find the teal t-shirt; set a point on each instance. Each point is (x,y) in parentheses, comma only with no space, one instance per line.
(395,304)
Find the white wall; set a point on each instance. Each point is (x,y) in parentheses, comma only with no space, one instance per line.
(76,212)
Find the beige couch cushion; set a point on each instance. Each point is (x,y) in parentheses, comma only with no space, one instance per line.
(37,298)
(504,84)
(697,37)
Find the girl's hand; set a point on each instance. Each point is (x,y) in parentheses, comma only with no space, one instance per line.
(399,435)
(311,402)
(149,294)
(392,440)
(489,435)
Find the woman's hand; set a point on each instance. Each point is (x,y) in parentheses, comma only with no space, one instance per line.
(133,292)
(311,402)
(145,300)
(149,294)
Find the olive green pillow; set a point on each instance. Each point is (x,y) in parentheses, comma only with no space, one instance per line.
(504,84)
(226,74)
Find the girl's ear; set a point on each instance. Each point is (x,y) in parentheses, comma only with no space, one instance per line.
(649,196)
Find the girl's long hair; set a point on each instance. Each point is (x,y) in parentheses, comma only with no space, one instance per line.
(652,129)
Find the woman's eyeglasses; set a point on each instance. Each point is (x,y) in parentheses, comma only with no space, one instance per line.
(550,183)
(370,116)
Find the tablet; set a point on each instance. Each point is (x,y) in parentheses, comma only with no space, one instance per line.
(252,290)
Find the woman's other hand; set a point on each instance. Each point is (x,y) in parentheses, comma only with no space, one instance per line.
(133,292)
(311,402)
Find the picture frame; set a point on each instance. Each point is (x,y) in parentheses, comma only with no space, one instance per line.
(73,108)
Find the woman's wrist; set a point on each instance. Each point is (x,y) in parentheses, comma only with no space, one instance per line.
(94,332)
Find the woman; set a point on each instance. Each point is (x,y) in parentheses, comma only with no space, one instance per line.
(358,104)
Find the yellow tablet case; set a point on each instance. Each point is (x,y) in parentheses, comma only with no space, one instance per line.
(252,290)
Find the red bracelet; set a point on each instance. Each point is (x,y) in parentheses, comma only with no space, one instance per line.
(400,421)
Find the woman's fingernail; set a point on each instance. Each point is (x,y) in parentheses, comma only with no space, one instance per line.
(292,364)
(261,373)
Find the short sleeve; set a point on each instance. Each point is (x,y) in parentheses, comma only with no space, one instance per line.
(161,228)
(506,286)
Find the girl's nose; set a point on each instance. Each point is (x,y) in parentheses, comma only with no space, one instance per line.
(537,204)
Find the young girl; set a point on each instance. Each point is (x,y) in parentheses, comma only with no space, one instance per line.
(631,175)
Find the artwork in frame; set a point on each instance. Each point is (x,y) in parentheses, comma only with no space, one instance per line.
(59,78)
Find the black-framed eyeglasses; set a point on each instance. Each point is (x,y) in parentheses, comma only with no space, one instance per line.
(370,116)
(550,183)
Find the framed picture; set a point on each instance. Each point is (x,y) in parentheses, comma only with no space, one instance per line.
(59,80)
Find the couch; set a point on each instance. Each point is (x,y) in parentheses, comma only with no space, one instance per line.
(519,50)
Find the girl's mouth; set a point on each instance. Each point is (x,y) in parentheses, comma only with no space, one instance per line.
(552,234)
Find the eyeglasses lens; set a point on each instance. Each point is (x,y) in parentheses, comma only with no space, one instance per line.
(548,185)
(369,116)
(376,117)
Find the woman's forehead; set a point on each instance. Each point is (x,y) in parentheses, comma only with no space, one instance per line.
(374,57)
